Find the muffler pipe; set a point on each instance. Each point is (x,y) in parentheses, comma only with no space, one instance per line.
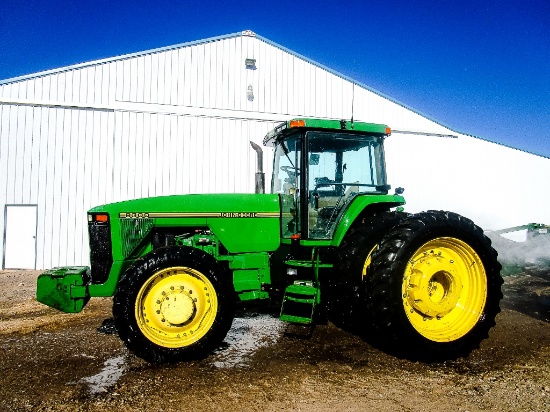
(260,176)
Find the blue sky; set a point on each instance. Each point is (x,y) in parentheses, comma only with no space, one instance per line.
(479,67)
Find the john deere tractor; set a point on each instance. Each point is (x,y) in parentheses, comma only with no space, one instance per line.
(329,242)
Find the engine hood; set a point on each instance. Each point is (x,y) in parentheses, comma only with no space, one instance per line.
(242,222)
(201,203)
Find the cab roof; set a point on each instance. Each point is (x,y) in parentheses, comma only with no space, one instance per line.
(285,128)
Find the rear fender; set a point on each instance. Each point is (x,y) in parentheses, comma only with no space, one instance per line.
(362,204)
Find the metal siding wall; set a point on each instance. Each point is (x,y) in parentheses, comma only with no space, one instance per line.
(53,158)
(287,84)
(371,107)
(183,154)
(4,178)
(494,185)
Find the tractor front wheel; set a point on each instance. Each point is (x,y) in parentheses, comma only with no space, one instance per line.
(174,304)
(433,290)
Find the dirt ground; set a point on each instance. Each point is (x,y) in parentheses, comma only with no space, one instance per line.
(50,361)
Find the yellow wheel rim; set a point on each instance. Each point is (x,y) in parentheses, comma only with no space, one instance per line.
(368,261)
(176,307)
(444,289)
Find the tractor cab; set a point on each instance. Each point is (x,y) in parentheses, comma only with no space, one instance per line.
(320,166)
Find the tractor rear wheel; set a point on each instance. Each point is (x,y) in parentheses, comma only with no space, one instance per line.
(347,308)
(174,304)
(433,290)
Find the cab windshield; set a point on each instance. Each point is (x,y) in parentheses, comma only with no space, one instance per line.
(336,168)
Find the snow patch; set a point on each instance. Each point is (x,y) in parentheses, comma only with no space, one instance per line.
(245,337)
(109,375)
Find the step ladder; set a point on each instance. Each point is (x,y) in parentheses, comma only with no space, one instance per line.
(302,296)
(299,302)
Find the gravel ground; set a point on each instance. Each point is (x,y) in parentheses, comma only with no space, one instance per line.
(60,362)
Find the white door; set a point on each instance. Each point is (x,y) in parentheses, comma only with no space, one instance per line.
(20,237)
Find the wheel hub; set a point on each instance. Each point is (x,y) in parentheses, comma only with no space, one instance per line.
(177,307)
(434,295)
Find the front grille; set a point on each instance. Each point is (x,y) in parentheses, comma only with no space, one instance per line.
(101,251)
(133,231)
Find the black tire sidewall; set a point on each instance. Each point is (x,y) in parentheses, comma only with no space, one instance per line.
(347,308)
(140,272)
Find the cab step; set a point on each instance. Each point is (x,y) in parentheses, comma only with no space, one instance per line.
(299,302)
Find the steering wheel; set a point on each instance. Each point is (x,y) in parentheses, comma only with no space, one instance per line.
(291,171)
(322,182)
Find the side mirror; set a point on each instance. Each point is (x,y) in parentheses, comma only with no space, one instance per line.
(314,159)
(399,191)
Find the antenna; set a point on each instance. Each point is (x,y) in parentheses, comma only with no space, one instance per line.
(352,102)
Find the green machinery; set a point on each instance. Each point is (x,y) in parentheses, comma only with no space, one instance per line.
(534,230)
(329,242)
(517,256)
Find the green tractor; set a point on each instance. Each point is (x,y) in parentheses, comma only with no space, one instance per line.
(329,243)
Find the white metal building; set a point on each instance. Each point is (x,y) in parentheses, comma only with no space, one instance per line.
(179,120)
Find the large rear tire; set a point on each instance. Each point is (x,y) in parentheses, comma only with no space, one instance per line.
(347,303)
(174,304)
(433,290)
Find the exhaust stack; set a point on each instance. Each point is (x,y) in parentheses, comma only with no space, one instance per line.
(260,175)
